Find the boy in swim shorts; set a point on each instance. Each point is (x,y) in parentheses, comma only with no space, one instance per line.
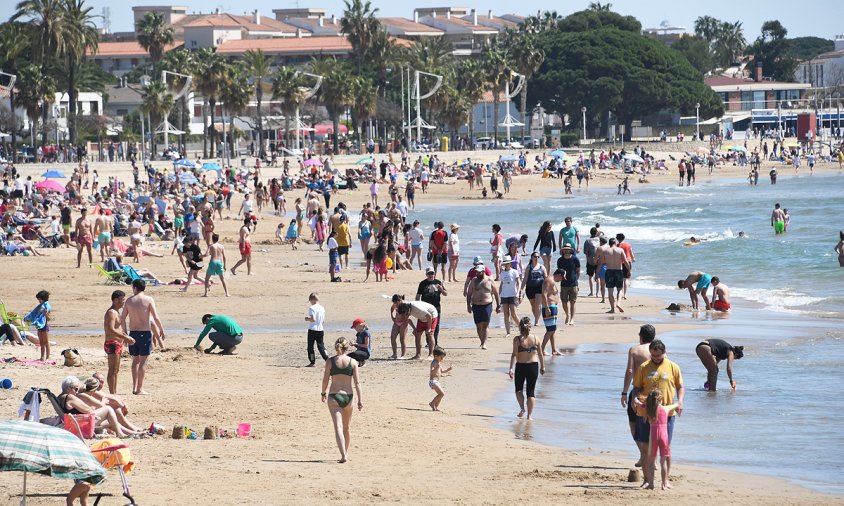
(114,338)
(550,310)
(216,265)
(702,280)
(434,379)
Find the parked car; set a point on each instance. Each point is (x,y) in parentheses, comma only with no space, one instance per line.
(483,143)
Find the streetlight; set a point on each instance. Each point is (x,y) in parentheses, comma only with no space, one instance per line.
(697,121)
(583,111)
(145,81)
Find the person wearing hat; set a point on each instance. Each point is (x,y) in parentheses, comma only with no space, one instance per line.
(430,289)
(570,265)
(474,272)
(479,299)
(453,252)
(363,342)
(227,334)
(510,291)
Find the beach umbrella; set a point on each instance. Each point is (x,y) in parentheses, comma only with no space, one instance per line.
(160,204)
(211,166)
(186,178)
(37,448)
(508,158)
(737,148)
(50,186)
(54,174)
(312,161)
(557,153)
(184,162)
(633,158)
(364,161)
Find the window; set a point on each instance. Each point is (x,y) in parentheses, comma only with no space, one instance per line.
(122,112)
(197,110)
(95,109)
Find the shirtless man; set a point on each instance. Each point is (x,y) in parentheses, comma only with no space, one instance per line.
(703,281)
(84,239)
(601,267)
(636,356)
(139,308)
(114,338)
(479,298)
(550,300)
(245,248)
(720,295)
(616,261)
(216,264)
(778,219)
(103,227)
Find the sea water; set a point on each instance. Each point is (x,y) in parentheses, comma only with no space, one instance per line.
(788,298)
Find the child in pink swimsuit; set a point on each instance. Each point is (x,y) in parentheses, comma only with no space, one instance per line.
(658,419)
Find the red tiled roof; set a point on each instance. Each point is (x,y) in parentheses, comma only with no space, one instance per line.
(129,48)
(226,20)
(287,45)
(408,26)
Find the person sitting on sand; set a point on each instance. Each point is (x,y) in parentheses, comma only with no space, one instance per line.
(712,351)
(526,364)
(227,334)
(341,371)
(87,395)
(105,415)
(703,281)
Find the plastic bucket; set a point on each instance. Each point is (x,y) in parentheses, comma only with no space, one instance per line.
(6,383)
(244,429)
(86,424)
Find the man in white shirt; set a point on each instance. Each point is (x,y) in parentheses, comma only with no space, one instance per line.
(509,291)
(28,186)
(316,331)
(426,321)
(401,205)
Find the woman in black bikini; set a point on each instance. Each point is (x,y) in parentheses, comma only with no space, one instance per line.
(529,364)
(73,405)
(341,370)
(712,351)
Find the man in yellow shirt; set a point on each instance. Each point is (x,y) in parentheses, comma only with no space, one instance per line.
(344,241)
(664,375)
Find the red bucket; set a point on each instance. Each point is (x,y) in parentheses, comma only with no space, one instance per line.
(81,426)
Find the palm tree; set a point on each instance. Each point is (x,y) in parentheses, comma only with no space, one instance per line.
(157,102)
(81,37)
(364,96)
(335,93)
(494,60)
(456,107)
(48,32)
(180,60)
(235,93)
(14,43)
(470,81)
(598,7)
(36,89)
(259,66)
(154,34)
(527,59)
(360,26)
(432,54)
(288,86)
(208,75)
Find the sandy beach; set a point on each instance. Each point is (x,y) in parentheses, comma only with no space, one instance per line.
(400,450)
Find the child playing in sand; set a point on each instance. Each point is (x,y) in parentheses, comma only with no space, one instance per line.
(434,381)
(293,233)
(278,235)
(658,418)
(39,318)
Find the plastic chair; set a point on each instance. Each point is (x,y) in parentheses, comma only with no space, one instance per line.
(104,455)
(12,318)
(111,277)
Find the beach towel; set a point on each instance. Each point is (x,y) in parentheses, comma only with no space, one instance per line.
(32,403)
(119,457)
(13,360)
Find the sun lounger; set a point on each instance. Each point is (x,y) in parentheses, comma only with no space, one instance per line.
(111,277)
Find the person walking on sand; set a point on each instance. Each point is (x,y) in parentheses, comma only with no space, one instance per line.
(216,264)
(316,331)
(636,356)
(431,290)
(510,292)
(227,334)
(496,248)
(115,338)
(547,243)
(839,248)
(84,237)
(550,297)
(341,372)
(703,281)
(778,219)
(526,364)
(479,297)
(193,258)
(103,228)
(711,352)
(436,374)
(628,269)
(657,373)
(570,265)
(720,295)
(245,247)
(615,259)
(534,276)
(657,415)
(139,309)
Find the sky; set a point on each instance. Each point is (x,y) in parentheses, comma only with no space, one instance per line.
(650,12)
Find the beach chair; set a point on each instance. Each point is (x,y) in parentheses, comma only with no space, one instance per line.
(115,454)
(111,277)
(54,421)
(132,275)
(11,318)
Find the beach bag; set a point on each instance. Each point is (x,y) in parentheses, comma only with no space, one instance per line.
(81,426)
(72,358)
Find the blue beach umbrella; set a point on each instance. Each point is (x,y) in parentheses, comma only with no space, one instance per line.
(53,174)
(364,161)
(557,153)
(211,166)
(184,162)
(508,158)
(160,204)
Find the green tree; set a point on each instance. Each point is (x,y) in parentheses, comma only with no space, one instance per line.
(696,50)
(156,101)
(259,67)
(335,93)
(14,45)
(364,95)
(726,40)
(208,75)
(36,89)
(592,19)
(290,87)
(495,60)
(806,48)
(48,32)
(236,93)
(771,51)
(181,61)
(154,34)
(360,26)
(527,58)
(81,37)
(620,71)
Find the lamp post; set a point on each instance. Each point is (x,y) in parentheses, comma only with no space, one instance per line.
(583,112)
(697,121)
(145,81)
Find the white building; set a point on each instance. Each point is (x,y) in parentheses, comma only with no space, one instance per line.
(825,70)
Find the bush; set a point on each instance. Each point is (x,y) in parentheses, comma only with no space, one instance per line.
(569,139)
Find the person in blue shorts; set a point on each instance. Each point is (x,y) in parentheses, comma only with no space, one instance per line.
(701,282)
